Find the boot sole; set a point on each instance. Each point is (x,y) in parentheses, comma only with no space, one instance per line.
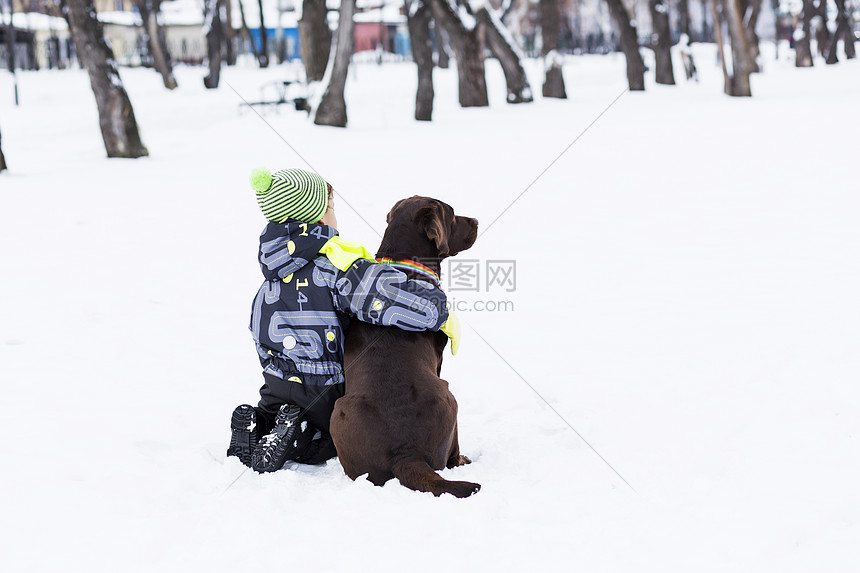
(243,434)
(281,443)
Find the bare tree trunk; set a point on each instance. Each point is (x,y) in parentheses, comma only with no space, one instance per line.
(116,116)
(214,32)
(661,42)
(848,36)
(10,47)
(550,17)
(10,38)
(470,61)
(3,166)
(684,17)
(802,48)
(741,66)
(751,10)
(777,28)
(229,33)
(247,33)
(506,51)
(418,19)
(156,40)
(844,31)
(721,49)
(629,44)
(264,39)
(442,45)
(332,109)
(704,31)
(822,32)
(315,38)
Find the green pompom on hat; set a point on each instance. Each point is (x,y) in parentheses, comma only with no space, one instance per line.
(261,179)
(290,194)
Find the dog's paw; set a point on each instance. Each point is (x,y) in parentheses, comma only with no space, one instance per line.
(463,488)
(460,460)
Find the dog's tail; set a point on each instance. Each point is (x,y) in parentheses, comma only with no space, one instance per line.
(418,475)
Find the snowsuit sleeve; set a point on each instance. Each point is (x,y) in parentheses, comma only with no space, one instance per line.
(383,295)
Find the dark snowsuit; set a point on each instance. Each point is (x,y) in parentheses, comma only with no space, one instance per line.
(302,311)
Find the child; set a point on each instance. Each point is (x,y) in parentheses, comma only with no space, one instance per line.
(314,284)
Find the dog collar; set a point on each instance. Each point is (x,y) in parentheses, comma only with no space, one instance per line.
(412,266)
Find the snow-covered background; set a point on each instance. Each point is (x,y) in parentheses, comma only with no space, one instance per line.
(686,298)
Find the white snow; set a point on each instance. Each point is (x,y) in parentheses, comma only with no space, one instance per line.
(388,14)
(271,12)
(181,13)
(466,19)
(553,59)
(698,326)
(120,18)
(33,21)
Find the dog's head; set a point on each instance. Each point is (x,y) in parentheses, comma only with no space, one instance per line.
(425,228)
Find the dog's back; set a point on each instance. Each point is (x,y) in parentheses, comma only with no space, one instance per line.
(398,418)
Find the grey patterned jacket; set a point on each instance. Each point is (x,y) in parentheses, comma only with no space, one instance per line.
(303,309)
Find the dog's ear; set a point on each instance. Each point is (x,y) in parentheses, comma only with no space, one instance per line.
(429,218)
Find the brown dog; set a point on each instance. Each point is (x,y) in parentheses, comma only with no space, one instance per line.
(398,418)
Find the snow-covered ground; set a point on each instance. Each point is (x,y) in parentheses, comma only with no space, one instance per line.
(686,299)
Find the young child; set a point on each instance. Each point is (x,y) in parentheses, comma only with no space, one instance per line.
(315,283)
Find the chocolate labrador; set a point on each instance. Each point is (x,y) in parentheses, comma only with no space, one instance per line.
(397,417)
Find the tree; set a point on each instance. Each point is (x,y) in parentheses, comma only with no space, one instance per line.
(802,48)
(315,39)
(3,166)
(661,42)
(247,33)
(684,17)
(508,54)
(10,38)
(229,33)
(116,117)
(751,10)
(264,39)
(629,45)
(742,65)
(716,8)
(214,31)
(550,16)
(844,31)
(156,40)
(463,37)
(443,46)
(332,108)
(737,83)
(418,19)
(822,32)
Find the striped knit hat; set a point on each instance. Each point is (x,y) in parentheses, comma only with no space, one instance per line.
(290,194)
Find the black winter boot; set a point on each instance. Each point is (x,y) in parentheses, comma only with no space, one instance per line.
(288,439)
(243,434)
(318,451)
